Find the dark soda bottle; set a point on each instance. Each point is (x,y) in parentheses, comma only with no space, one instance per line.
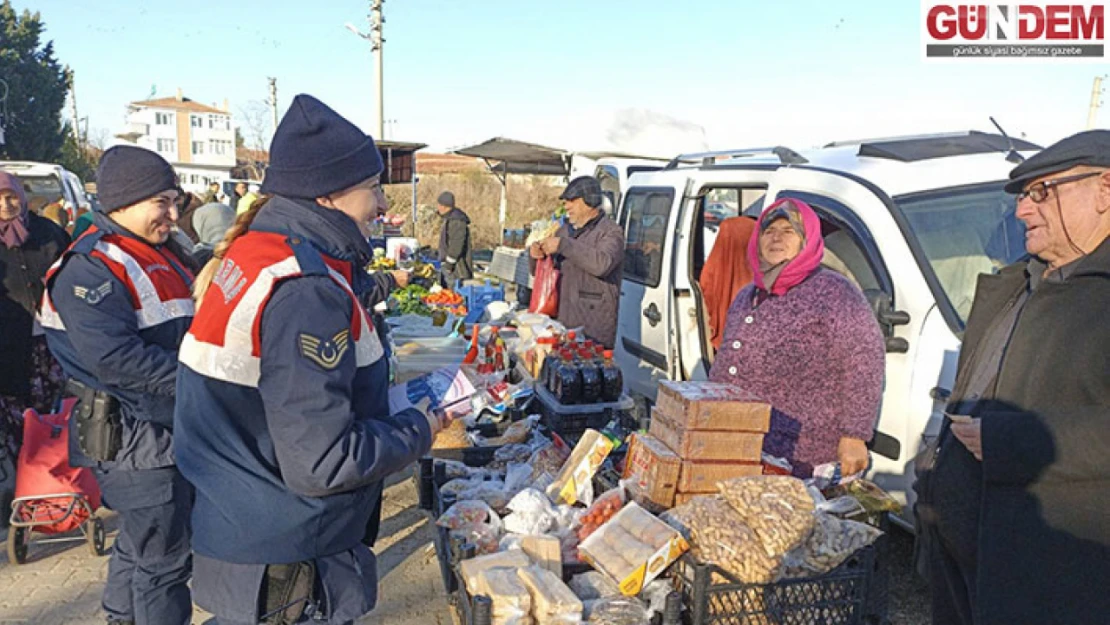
(612,382)
(590,373)
(568,380)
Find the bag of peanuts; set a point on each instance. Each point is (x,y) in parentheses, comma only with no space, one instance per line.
(832,541)
(718,536)
(778,508)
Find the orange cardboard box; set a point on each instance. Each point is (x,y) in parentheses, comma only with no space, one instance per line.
(702,477)
(706,445)
(651,471)
(712,406)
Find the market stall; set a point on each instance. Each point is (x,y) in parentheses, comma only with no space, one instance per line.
(553,505)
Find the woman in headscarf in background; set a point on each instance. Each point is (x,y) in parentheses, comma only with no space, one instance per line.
(29,245)
(804,339)
(726,271)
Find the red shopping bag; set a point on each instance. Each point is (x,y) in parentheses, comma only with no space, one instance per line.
(545,289)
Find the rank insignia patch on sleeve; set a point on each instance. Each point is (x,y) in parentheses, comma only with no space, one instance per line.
(325,352)
(93,294)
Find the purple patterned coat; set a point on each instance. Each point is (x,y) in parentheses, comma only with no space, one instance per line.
(817,355)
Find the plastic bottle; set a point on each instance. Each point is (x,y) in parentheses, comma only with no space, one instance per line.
(568,380)
(612,381)
(590,373)
(472,353)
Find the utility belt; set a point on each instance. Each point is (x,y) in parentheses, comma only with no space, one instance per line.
(288,593)
(99,422)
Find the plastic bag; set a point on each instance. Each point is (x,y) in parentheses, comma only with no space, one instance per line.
(510,454)
(718,535)
(777,508)
(655,595)
(618,611)
(491,492)
(832,541)
(545,289)
(603,508)
(467,513)
(483,536)
(593,585)
(453,469)
(531,513)
(517,477)
(829,475)
(548,459)
(517,433)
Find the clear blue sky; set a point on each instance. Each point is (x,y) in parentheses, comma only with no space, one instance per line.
(747,72)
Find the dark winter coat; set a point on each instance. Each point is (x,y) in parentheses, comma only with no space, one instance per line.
(454,247)
(1043,535)
(22,271)
(590,259)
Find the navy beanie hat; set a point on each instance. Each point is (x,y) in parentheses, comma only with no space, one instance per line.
(128,174)
(316,152)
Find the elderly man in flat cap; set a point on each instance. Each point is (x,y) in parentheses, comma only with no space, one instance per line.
(1016,506)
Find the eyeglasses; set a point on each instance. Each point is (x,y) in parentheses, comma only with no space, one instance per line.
(1039,192)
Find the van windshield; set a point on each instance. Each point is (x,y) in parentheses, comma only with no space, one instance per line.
(41,190)
(964,232)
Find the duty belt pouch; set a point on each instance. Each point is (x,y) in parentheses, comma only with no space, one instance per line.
(99,431)
(287,592)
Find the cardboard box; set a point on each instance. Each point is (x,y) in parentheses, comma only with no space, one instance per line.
(639,525)
(702,477)
(712,406)
(704,445)
(651,470)
(579,469)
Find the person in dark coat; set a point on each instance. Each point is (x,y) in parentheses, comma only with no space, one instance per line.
(454,242)
(116,307)
(288,432)
(29,376)
(1014,507)
(589,252)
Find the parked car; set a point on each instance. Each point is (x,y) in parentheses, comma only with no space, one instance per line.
(912,221)
(49,182)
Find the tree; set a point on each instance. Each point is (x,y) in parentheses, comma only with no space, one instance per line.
(37,89)
(77,160)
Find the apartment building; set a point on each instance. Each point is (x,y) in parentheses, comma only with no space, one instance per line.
(197,139)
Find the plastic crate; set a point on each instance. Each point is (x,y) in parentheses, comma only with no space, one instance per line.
(478,297)
(574,419)
(840,597)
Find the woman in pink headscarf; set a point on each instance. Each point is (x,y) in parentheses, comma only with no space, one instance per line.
(804,339)
(29,244)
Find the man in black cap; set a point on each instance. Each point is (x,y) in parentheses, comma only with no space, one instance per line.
(454,241)
(589,251)
(116,308)
(1014,508)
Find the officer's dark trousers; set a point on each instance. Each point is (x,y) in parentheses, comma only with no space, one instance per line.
(151,562)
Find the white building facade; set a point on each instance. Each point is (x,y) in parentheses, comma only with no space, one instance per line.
(198,140)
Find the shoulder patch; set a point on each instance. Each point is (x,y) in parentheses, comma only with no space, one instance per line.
(93,295)
(326,352)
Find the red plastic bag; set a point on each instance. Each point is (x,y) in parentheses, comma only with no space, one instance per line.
(545,289)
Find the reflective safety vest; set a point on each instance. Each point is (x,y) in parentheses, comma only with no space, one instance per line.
(224,340)
(156,280)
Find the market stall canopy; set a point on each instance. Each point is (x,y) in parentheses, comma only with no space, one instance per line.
(518,157)
(399,160)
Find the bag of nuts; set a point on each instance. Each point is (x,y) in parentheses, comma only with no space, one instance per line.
(832,541)
(718,536)
(777,508)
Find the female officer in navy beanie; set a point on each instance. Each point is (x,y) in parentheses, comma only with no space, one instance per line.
(286,426)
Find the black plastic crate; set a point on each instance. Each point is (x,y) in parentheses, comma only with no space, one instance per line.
(840,597)
(574,419)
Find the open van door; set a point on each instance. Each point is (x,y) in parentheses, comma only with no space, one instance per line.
(645,331)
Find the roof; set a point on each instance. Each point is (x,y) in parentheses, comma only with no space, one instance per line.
(185,104)
(519,157)
(902,165)
(400,146)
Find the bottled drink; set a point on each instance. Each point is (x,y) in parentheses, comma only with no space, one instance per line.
(612,382)
(568,380)
(591,377)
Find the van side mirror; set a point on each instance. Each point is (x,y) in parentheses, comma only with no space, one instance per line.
(883,306)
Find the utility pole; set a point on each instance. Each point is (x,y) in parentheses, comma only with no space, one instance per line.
(1096,101)
(273,101)
(376,42)
(76,120)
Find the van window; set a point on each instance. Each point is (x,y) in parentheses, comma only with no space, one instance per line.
(964,232)
(720,204)
(42,190)
(609,178)
(648,212)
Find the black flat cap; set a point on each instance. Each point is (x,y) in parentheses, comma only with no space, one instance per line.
(585,187)
(1091,148)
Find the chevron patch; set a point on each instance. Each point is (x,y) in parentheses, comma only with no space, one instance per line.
(93,295)
(325,352)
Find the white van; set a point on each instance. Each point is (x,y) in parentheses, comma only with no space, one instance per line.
(913,221)
(48,182)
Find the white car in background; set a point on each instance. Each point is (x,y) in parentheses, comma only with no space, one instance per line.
(49,182)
